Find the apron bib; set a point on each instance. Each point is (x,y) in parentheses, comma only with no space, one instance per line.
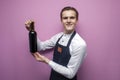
(62,57)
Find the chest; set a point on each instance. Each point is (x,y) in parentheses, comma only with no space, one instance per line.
(64,40)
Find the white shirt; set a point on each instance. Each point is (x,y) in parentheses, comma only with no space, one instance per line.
(77,51)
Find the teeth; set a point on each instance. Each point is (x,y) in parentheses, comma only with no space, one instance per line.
(69,24)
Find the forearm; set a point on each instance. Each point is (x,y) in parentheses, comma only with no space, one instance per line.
(75,61)
(65,71)
(58,68)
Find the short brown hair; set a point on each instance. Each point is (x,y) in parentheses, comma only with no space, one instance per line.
(69,8)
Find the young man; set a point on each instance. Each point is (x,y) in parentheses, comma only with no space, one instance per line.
(69,48)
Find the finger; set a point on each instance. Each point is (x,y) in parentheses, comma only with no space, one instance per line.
(36,57)
(29,22)
(37,54)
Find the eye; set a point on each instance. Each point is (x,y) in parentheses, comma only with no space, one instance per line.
(65,17)
(72,17)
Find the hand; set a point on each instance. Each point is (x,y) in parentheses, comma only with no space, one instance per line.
(40,58)
(28,24)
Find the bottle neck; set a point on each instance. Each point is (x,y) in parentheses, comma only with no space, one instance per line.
(32,26)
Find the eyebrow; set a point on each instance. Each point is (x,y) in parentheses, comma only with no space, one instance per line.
(69,17)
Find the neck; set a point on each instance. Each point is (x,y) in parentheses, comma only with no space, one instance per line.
(69,32)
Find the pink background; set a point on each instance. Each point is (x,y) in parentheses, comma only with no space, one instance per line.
(99,25)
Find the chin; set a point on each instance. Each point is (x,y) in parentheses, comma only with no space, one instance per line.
(69,31)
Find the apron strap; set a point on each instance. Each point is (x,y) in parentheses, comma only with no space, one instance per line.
(71,38)
(59,39)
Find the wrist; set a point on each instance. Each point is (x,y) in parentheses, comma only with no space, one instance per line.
(47,60)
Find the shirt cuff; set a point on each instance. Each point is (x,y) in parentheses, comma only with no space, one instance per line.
(51,63)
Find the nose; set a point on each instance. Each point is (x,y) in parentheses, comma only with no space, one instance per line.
(68,20)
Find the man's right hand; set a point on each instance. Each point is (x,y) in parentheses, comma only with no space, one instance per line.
(41,58)
(28,24)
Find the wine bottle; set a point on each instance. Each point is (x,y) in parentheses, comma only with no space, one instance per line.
(32,39)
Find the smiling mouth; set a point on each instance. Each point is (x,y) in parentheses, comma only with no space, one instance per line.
(68,24)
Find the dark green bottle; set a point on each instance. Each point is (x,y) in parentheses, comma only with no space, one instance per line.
(32,39)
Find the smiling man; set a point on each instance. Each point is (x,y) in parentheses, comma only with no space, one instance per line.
(69,48)
(69,19)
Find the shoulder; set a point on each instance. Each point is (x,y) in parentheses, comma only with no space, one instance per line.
(55,37)
(78,41)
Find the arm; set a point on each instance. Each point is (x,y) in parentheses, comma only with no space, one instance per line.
(48,44)
(43,45)
(73,65)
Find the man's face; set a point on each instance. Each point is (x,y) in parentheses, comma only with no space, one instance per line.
(69,20)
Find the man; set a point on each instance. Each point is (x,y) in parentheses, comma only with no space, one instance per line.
(69,48)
